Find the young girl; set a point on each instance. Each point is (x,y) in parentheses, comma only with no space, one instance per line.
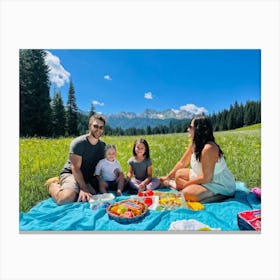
(109,172)
(140,166)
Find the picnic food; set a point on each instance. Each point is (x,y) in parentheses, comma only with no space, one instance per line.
(170,201)
(194,205)
(127,210)
(146,193)
(148,201)
(149,193)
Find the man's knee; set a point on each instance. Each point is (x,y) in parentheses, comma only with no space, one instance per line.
(66,196)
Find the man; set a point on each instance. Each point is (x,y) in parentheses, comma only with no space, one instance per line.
(77,180)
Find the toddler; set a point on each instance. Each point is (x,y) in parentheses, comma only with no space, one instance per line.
(109,172)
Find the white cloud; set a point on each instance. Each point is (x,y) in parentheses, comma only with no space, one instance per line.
(193,109)
(107,77)
(97,103)
(148,95)
(57,74)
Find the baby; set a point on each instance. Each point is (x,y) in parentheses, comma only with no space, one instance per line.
(109,172)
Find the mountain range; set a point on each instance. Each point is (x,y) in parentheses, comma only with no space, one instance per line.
(149,117)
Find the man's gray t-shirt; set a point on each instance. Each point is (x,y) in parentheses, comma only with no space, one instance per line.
(140,168)
(90,154)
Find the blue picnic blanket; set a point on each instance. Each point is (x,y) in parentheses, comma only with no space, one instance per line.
(48,216)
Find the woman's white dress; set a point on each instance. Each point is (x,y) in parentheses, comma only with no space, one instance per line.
(223,181)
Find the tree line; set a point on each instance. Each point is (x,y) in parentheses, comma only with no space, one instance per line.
(42,116)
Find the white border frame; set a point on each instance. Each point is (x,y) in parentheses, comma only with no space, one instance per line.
(139,24)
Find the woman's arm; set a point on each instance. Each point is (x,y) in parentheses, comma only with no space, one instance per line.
(183,162)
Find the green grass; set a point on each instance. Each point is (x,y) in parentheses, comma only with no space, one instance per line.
(250,127)
(41,159)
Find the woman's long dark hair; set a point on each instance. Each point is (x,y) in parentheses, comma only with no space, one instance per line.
(203,133)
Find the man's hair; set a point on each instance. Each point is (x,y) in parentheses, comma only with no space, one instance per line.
(96,117)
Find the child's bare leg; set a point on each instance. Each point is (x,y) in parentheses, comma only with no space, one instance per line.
(120,181)
(103,187)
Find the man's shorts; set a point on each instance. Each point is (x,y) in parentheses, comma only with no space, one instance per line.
(67,181)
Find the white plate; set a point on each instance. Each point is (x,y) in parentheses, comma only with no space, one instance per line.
(101,198)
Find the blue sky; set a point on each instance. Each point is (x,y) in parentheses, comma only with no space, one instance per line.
(134,80)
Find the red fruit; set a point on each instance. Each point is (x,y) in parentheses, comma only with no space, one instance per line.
(149,193)
(148,201)
(128,214)
(140,194)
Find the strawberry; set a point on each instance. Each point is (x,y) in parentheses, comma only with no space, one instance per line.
(140,194)
(148,201)
(149,193)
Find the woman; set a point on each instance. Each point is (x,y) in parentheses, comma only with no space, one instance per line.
(209,177)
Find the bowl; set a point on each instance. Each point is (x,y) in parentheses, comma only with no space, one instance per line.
(119,211)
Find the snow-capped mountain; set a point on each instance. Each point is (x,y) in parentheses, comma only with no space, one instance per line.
(154,114)
(149,117)
(152,117)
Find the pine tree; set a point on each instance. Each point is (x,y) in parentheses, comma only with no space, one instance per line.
(258,112)
(35,110)
(72,112)
(91,111)
(249,114)
(82,123)
(149,130)
(58,115)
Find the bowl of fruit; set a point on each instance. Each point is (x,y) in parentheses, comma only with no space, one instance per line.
(127,211)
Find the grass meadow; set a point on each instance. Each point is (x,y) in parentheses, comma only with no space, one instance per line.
(41,159)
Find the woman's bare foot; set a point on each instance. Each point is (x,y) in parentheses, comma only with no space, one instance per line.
(165,183)
(169,184)
(172,184)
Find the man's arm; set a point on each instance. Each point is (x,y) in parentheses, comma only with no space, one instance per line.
(76,162)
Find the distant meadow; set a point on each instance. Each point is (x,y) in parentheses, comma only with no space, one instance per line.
(41,159)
